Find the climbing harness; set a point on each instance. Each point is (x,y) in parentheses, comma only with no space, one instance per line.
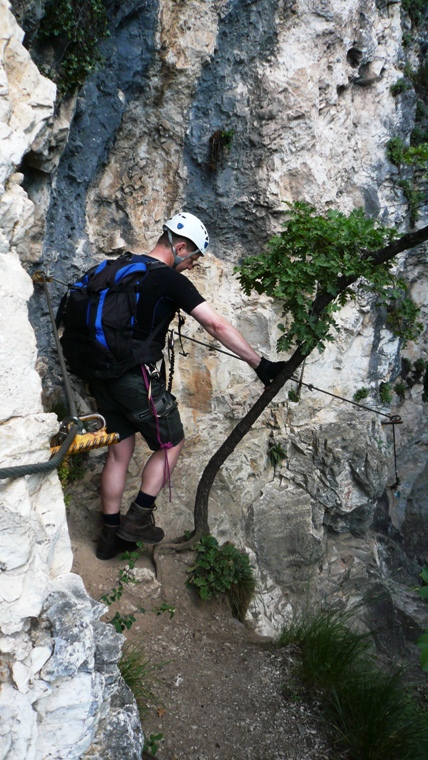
(73,436)
(171,359)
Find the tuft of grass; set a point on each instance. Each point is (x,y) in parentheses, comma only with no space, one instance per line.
(375,718)
(368,710)
(139,673)
(329,648)
(360,394)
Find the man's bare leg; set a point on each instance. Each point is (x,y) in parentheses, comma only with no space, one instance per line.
(155,470)
(113,476)
(139,523)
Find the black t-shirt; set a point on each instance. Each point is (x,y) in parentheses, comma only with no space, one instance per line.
(163,292)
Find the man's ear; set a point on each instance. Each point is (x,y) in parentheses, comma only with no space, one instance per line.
(181,248)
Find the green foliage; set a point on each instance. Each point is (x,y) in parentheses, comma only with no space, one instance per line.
(74,27)
(377,720)
(395,150)
(369,710)
(400,389)
(330,649)
(307,258)
(407,39)
(293,396)
(414,198)
(276,454)
(416,10)
(123,623)
(360,394)
(220,142)
(151,744)
(222,570)
(400,86)
(71,469)
(419,365)
(406,366)
(138,672)
(227,137)
(385,393)
(417,154)
(126,577)
(401,311)
(422,641)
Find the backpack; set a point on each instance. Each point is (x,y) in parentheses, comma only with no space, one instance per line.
(99,314)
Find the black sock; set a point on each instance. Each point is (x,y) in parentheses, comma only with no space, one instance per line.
(145,500)
(112,519)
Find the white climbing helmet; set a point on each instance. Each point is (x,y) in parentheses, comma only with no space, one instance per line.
(189,226)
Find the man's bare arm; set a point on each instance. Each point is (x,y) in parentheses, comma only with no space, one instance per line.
(221,329)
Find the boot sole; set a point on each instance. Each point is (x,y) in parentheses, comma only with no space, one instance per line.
(130,537)
(119,549)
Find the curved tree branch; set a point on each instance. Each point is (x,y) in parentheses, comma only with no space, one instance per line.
(406,242)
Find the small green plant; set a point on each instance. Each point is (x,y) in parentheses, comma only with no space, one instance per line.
(165,607)
(401,311)
(395,150)
(276,454)
(400,86)
(414,198)
(126,577)
(360,394)
(400,389)
(419,365)
(71,469)
(220,142)
(407,39)
(123,623)
(385,393)
(151,743)
(406,366)
(222,570)
(293,396)
(417,154)
(74,28)
(422,641)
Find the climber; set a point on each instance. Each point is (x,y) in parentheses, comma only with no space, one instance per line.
(138,400)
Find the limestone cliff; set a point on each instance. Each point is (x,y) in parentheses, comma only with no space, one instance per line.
(228,109)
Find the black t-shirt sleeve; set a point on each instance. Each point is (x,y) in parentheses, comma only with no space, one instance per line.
(178,289)
(188,296)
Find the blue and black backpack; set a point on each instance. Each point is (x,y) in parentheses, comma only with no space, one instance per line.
(99,314)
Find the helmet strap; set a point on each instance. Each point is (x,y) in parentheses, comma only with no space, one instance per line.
(177,259)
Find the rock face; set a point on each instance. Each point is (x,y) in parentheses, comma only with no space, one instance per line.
(59,674)
(227,109)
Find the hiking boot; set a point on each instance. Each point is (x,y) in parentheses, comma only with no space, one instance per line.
(139,525)
(109,543)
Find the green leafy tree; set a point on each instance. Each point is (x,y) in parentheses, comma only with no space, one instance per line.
(314,266)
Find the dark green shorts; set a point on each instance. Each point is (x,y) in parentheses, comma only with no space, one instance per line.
(124,404)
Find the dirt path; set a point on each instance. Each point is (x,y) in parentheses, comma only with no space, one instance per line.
(219,694)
